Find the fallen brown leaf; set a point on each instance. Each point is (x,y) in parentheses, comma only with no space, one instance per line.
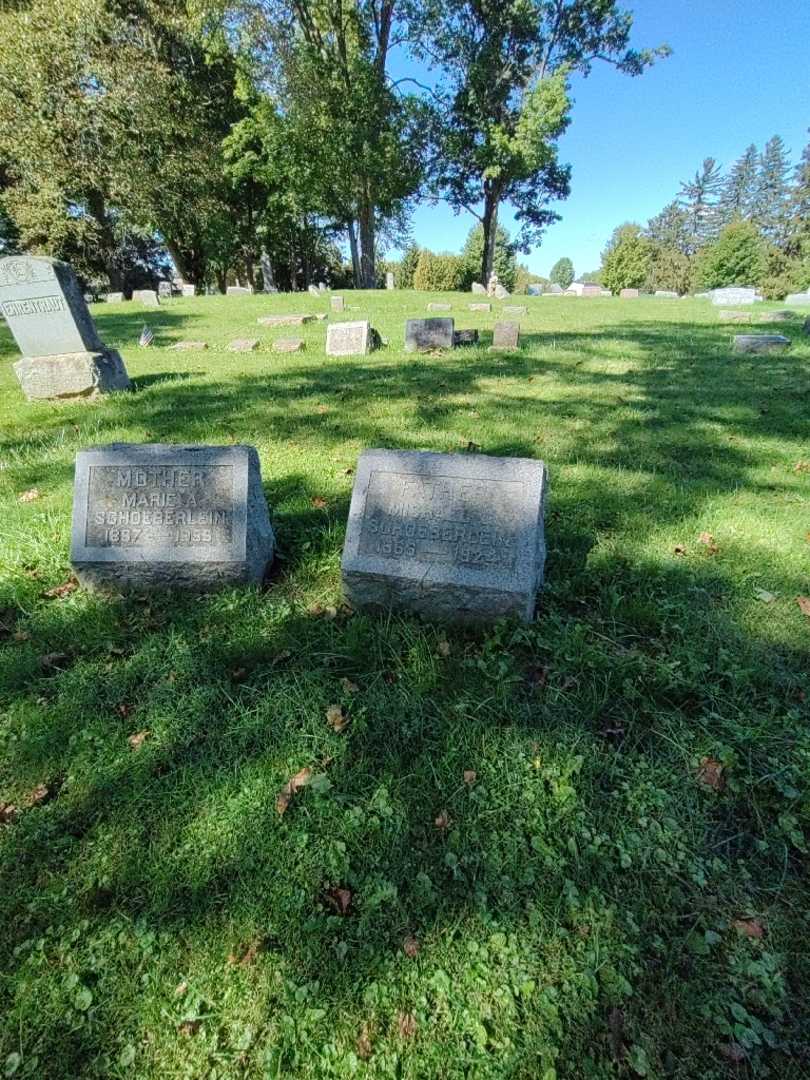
(410,946)
(800,466)
(189,1027)
(319,503)
(294,784)
(707,540)
(181,989)
(322,409)
(443,647)
(442,822)
(124,709)
(29,496)
(680,549)
(470,776)
(406,1025)
(349,687)
(246,954)
(137,740)
(364,1046)
(340,899)
(804,604)
(710,773)
(8,812)
(336,718)
(58,592)
(750,928)
(21,635)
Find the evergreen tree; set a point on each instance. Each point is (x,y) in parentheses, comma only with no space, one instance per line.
(699,198)
(799,223)
(773,192)
(403,275)
(626,264)
(670,229)
(503,264)
(737,257)
(562,273)
(739,195)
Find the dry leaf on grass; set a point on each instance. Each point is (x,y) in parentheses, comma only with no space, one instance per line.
(39,795)
(680,549)
(406,1025)
(800,466)
(442,822)
(340,899)
(58,592)
(804,604)
(410,946)
(294,784)
(364,1046)
(319,503)
(470,776)
(8,812)
(181,989)
(29,496)
(349,687)
(710,773)
(336,718)
(707,540)
(443,647)
(750,928)
(137,740)
(246,954)
(189,1027)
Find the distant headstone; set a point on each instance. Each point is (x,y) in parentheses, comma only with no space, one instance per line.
(480,307)
(321,286)
(422,335)
(320,316)
(605,292)
(147,297)
(348,338)
(798,298)
(590,290)
(629,294)
(533,289)
(779,316)
(62,354)
(465,337)
(336,303)
(155,516)
(243,345)
(239,290)
(190,346)
(477,287)
(516,309)
(454,537)
(554,290)
(285,320)
(165,290)
(734,295)
(115,297)
(288,344)
(500,293)
(734,316)
(506,335)
(313,290)
(440,307)
(760,343)
(188,290)
(666,294)
(389,280)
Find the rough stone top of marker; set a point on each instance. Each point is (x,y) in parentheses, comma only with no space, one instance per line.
(44,307)
(156,515)
(451,536)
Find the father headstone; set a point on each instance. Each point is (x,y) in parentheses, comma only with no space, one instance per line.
(422,335)
(760,343)
(147,297)
(389,280)
(450,536)
(161,516)
(732,296)
(62,354)
(348,338)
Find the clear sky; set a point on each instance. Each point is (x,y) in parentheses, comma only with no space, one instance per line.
(739,73)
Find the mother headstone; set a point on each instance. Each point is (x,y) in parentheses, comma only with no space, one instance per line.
(62,354)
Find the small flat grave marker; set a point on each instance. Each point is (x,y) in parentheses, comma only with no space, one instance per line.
(465,337)
(734,316)
(288,344)
(450,536)
(157,516)
(243,345)
(239,290)
(440,307)
(760,343)
(313,290)
(798,298)
(422,335)
(515,309)
(666,294)
(285,320)
(480,307)
(733,295)
(189,346)
(348,338)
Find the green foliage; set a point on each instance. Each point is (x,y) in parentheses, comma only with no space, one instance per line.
(737,257)
(627,262)
(591,277)
(562,272)
(700,200)
(438,273)
(669,269)
(525,277)
(771,209)
(504,263)
(404,274)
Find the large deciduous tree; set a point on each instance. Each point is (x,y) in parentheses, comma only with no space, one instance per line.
(505,66)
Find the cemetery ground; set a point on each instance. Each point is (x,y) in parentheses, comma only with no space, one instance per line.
(570,849)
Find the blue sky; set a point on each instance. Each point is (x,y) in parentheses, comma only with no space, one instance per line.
(739,73)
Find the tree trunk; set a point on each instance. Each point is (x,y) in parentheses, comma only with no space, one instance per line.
(222,280)
(268,278)
(355,255)
(249,274)
(368,277)
(490,223)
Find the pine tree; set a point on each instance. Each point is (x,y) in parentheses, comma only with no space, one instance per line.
(799,223)
(739,195)
(699,198)
(670,229)
(773,195)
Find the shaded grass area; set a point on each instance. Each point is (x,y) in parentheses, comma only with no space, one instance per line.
(621,888)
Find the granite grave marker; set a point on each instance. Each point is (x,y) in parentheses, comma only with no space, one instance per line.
(422,335)
(348,338)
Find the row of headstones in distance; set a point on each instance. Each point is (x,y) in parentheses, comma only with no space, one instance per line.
(448,536)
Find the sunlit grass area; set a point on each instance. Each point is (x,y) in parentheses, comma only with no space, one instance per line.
(575,849)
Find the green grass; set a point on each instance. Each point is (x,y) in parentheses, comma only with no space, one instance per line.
(577,917)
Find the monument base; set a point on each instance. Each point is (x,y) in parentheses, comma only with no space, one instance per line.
(72,375)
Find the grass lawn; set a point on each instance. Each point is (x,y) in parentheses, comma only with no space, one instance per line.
(620,888)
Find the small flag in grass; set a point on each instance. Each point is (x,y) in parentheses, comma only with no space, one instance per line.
(147,336)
